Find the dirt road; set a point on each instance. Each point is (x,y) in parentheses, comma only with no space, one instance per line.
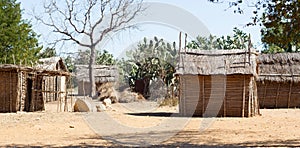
(49,128)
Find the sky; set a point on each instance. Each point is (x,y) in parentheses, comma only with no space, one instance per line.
(215,17)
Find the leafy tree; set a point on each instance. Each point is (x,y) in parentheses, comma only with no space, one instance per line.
(18,42)
(93,19)
(47,53)
(204,43)
(239,40)
(280,21)
(282,24)
(69,61)
(102,58)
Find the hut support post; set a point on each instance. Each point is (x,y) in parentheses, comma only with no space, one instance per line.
(19,91)
(203,95)
(277,94)
(244,97)
(32,95)
(10,92)
(290,93)
(249,99)
(66,94)
(224,103)
(265,93)
(5,91)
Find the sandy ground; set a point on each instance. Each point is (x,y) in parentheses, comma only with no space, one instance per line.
(279,127)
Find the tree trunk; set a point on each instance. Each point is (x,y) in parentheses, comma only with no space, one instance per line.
(91,72)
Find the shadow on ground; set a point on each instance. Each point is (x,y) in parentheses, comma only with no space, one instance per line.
(181,139)
(155,114)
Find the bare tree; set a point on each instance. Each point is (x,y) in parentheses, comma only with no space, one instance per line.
(94,19)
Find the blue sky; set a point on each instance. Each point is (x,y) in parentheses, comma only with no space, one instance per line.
(213,16)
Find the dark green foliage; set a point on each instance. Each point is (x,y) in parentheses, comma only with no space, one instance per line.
(238,41)
(280,21)
(102,58)
(69,62)
(47,53)
(18,42)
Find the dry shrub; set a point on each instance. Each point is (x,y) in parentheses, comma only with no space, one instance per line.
(173,101)
(107,90)
(127,96)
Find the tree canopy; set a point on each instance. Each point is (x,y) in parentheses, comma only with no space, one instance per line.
(239,40)
(280,21)
(18,42)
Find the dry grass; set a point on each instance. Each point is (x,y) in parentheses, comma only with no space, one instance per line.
(169,102)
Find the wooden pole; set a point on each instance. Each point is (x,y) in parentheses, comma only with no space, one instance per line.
(66,94)
(56,94)
(224,104)
(224,87)
(5,94)
(249,98)
(265,93)
(185,40)
(71,85)
(179,42)
(203,95)
(290,93)
(21,88)
(277,94)
(10,92)
(244,97)
(32,94)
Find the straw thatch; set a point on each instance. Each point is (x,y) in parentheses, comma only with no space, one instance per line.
(218,83)
(218,62)
(278,81)
(52,67)
(280,67)
(102,73)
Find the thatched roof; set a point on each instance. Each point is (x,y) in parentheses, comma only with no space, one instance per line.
(217,62)
(11,67)
(52,64)
(37,70)
(279,67)
(103,73)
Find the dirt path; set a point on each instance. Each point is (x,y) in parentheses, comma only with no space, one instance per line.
(273,128)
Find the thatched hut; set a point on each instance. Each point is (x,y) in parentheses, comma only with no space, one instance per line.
(55,85)
(102,73)
(14,88)
(23,88)
(278,81)
(218,83)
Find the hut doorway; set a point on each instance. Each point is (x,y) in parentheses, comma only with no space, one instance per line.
(28,95)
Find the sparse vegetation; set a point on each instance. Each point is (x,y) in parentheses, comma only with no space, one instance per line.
(169,102)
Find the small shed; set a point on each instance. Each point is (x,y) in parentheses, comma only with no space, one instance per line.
(20,89)
(279,80)
(23,88)
(14,88)
(102,73)
(55,85)
(218,83)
